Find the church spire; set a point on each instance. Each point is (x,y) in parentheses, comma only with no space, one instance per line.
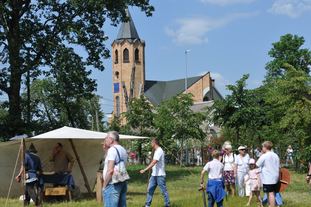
(127,29)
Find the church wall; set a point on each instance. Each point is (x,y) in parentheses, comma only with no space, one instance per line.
(197,88)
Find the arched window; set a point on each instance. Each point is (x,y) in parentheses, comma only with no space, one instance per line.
(126,58)
(116,57)
(136,55)
(117,106)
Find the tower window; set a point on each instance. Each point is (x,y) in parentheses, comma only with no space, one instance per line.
(117,74)
(117,106)
(126,58)
(136,55)
(116,57)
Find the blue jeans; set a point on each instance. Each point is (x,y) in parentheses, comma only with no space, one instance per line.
(211,201)
(115,195)
(153,183)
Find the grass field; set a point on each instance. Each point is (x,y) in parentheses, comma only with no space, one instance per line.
(182,185)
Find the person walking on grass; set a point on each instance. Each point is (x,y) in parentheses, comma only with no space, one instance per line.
(215,188)
(254,179)
(242,168)
(32,170)
(228,160)
(158,174)
(269,162)
(114,174)
(289,155)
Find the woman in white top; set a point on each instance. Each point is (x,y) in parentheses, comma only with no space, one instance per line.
(229,166)
(242,169)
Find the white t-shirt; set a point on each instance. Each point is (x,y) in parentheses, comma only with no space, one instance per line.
(159,168)
(214,169)
(112,155)
(229,161)
(242,163)
(269,163)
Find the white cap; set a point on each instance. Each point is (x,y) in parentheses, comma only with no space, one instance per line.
(241,148)
(252,161)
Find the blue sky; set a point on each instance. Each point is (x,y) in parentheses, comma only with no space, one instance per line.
(226,37)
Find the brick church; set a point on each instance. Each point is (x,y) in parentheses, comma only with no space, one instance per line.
(128,68)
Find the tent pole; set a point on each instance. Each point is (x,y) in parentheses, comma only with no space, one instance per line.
(24,169)
(86,182)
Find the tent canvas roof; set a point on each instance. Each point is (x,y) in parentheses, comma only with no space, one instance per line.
(75,133)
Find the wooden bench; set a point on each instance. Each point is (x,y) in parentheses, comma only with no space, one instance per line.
(58,191)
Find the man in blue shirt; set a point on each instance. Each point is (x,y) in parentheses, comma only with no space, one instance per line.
(32,168)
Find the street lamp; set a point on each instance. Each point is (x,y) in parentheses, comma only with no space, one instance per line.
(186,78)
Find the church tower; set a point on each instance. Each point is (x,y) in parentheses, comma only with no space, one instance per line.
(128,66)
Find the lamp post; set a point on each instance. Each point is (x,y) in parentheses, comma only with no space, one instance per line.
(186,78)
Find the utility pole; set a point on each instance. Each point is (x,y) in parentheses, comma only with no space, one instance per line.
(186,77)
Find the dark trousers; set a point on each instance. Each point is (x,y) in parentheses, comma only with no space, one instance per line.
(211,201)
(33,191)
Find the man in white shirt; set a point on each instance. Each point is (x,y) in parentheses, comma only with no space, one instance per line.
(215,185)
(158,174)
(269,163)
(114,193)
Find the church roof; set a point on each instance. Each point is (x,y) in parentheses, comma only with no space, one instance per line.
(158,91)
(127,29)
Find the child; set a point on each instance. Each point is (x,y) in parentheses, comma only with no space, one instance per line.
(255,182)
(215,185)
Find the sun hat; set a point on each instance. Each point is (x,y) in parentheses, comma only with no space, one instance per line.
(228,146)
(241,148)
(252,161)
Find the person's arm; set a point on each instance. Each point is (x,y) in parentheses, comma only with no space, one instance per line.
(260,161)
(309,173)
(235,165)
(71,161)
(109,173)
(153,163)
(21,171)
(202,178)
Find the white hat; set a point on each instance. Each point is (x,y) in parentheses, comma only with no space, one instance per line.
(241,148)
(228,146)
(252,161)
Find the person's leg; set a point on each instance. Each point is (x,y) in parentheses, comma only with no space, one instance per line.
(26,196)
(122,201)
(259,200)
(151,188)
(250,199)
(211,200)
(162,184)
(233,189)
(271,199)
(241,190)
(33,193)
(220,204)
(111,196)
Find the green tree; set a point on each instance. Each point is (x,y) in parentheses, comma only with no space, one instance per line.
(139,119)
(290,98)
(33,33)
(175,121)
(288,50)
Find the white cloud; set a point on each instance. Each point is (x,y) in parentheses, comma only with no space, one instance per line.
(194,30)
(226,2)
(291,8)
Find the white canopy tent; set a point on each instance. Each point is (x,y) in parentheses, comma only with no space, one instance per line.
(84,143)
(75,133)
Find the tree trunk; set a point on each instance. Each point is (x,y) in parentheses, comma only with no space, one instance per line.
(15,121)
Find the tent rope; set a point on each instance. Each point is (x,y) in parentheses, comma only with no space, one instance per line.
(12,178)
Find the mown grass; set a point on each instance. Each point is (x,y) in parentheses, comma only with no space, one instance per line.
(182,185)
